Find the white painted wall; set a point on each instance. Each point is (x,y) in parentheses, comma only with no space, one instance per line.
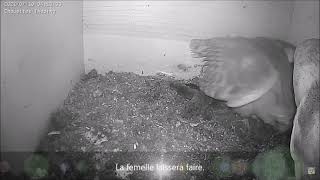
(152,36)
(40,56)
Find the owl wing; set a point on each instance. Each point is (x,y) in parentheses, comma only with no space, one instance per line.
(236,70)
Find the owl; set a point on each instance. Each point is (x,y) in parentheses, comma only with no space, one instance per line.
(251,75)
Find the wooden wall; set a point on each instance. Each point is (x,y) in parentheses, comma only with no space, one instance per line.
(153,36)
(305,21)
(41,59)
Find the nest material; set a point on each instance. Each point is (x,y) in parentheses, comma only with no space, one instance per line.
(116,111)
(125,112)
